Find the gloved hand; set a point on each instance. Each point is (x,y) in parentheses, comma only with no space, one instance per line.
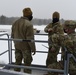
(52,49)
(33,52)
(50,30)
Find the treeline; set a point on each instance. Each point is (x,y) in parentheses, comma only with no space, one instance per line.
(9,20)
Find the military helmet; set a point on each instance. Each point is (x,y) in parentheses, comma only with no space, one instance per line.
(56,15)
(70,24)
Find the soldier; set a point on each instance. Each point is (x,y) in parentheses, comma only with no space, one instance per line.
(23,29)
(52,29)
(70,43)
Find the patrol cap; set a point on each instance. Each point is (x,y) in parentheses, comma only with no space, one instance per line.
(56,15)
(70,24)
(27,12)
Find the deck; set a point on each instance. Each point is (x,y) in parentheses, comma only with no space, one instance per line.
(10,72)
(36,70)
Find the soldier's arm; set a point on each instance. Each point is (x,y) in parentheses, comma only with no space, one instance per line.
(12,30)
(48,28)
(30,35)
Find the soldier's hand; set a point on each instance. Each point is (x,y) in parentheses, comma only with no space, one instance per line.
(50,29)
(52,49)
(33,52)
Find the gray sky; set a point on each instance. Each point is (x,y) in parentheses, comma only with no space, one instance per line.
(41,8)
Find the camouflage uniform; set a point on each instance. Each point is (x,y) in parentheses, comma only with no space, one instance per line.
(70,43)
(23,29)
(53,29)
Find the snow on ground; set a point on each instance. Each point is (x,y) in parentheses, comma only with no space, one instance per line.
(38,58)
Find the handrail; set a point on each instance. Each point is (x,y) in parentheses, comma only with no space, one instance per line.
(25,40)
(65,71)
(37,51)
(3,52)
(33,68)
(73,57)
(14,49)
(8,43)
(41,34)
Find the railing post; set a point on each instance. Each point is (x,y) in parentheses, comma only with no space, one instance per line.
(66,63)
(10,50)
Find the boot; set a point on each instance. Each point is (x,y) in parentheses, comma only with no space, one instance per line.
(27,71)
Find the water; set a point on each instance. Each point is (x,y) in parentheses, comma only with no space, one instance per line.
(38,58)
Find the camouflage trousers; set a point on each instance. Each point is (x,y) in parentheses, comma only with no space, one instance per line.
(52,56)
(23,55)
(52,62)
(72,66)
(57,65)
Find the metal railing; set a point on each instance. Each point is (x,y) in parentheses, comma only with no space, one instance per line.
(66,61)
(8,45)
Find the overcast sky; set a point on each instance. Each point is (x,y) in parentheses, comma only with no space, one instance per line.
(41,8)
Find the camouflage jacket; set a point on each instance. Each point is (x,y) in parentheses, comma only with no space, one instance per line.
(23,29)
(56,27)
(70,42)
